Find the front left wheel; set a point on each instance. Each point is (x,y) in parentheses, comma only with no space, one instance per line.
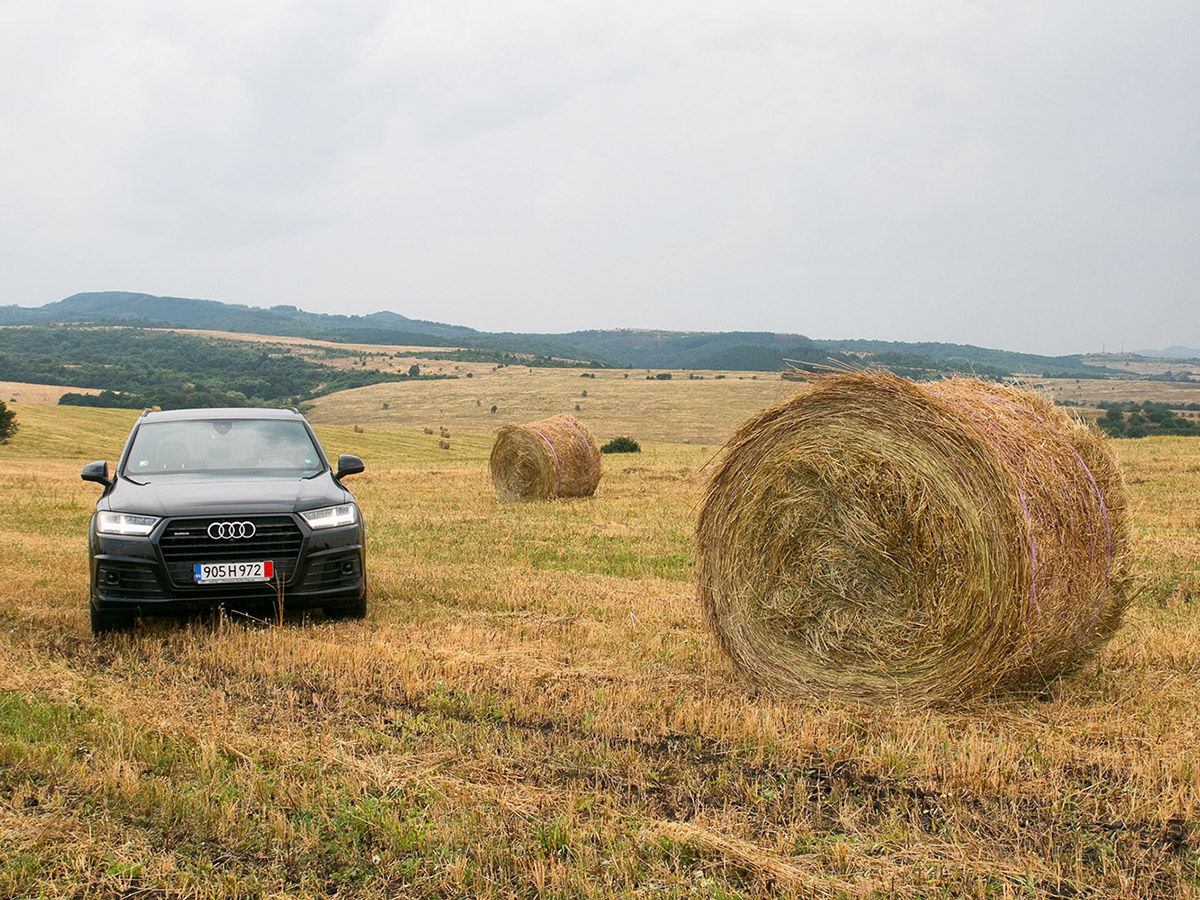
(355,609)
(104,621)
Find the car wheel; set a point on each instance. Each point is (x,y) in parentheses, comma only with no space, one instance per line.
(356,609)
(105,621)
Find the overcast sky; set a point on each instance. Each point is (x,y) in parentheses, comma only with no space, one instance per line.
(1023,175)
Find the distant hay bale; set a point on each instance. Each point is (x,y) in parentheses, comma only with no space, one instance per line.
(445,433)
(427,430)
(556,457)
(877,539)
(358,429)
(443,445)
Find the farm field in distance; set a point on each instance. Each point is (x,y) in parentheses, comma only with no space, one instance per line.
(1089,393)
(703,409)
(533,706)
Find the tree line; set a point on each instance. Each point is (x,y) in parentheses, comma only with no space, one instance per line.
(134,368)
(1137,421)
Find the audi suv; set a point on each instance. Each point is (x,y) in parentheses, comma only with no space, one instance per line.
(236,508)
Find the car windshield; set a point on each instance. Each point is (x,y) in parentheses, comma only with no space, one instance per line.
(226,447)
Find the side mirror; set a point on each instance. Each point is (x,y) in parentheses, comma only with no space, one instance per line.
(348,465)
(98,472)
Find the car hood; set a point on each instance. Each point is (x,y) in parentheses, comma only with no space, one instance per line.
(177,495)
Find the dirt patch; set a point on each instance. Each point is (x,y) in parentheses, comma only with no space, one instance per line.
(37,393)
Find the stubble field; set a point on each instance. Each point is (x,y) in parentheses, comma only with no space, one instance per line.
(534,708)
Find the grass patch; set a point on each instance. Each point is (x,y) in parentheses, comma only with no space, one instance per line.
(534,708)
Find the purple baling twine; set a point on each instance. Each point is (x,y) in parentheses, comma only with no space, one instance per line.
(994,400)
(557,464)
(1006,450)
(1032,552)
(584,441)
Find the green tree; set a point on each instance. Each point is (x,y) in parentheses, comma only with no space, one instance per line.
(8,423)
(1113,423)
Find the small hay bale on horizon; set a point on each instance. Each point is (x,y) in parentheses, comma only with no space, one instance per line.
(545,460)
(879,539)
(443,445)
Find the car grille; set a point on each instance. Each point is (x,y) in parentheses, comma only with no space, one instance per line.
(185,542)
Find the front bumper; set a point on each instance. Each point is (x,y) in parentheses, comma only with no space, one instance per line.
(322,568)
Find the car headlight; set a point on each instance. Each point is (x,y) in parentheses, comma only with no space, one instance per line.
(125,523)
(331,516)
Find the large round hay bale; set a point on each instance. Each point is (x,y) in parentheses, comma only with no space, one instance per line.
(877,538)
(556,457)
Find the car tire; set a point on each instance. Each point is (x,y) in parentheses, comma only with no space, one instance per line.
(356,609)
(107,621)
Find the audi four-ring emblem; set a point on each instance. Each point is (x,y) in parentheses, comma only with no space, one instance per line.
(231,531)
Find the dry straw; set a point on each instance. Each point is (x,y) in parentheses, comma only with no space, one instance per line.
(556,457)
(878,539)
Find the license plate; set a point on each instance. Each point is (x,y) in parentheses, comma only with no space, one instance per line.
(232,573)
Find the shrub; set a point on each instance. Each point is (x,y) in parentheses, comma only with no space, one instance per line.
(8,423)
(621,445)
(414,370)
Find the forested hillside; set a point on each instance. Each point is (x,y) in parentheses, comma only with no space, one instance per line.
(136,368)
(626,348)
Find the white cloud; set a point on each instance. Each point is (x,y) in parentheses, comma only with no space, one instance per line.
(1008,174)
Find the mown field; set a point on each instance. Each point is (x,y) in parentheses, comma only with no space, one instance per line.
(1092,392)
(704,408)
(533,708)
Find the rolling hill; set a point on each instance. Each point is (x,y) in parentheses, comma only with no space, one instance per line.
(625,348)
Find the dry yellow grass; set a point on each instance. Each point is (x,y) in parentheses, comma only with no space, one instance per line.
(703,409)
(22,392)
(1091,392)
(533,708)
(341,349)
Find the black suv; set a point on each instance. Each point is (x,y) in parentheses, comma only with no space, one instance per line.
(224,507)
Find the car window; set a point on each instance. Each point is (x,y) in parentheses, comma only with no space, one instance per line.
(232,447)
